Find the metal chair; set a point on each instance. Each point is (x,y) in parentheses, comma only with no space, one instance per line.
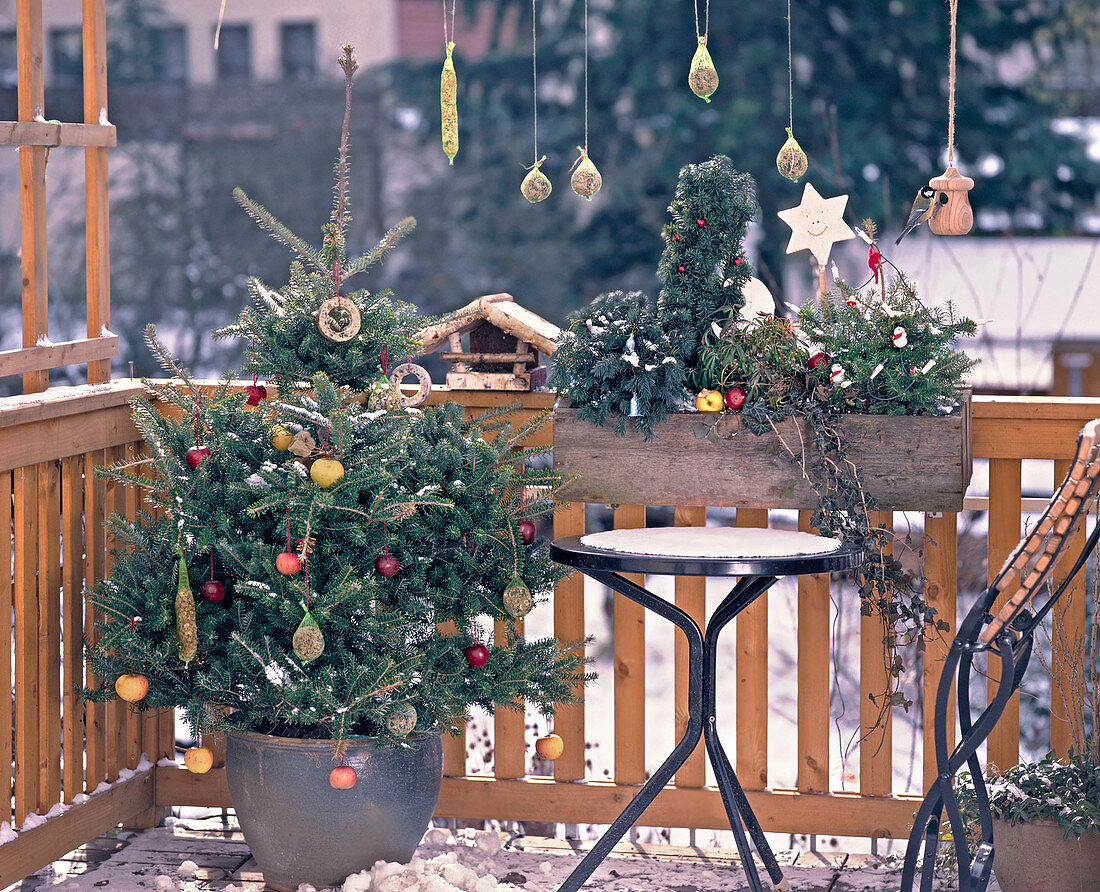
(1008,635)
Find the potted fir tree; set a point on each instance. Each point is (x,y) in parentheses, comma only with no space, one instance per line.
(319,570)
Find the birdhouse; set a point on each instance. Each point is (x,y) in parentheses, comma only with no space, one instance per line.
(955,216)
(504,342)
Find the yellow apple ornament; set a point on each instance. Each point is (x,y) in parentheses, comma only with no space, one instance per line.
(709,401)
(326,472)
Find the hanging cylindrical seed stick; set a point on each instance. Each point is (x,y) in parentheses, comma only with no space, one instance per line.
(448,104)
(448,89)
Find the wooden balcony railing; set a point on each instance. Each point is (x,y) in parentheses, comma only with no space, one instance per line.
(62,748)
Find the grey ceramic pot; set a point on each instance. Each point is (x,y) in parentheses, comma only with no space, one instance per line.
(301,830)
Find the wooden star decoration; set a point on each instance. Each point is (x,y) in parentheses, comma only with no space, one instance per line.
(816,224)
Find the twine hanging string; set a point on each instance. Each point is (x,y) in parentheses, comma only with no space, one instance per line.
(535,77)
(448,32)
(218,29)
(585,77)
(702,35)
(305,566)
(954,4)
(134,620)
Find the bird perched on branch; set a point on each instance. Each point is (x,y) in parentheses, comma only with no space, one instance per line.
(924,209)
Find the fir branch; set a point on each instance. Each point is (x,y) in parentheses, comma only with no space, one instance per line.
(266,220)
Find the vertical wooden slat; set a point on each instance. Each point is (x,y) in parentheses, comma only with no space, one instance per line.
(72,624)
(569,627)
(876,718)
(96,212)
(32,185)
(751,762)
(628,634)
(1066,712)
(132,731)
(49,636)
(115,722)
(95,502)
(454,745)
(26,641)
(509,750)
(691,597)
(813,676)
(7,543)
(941,573)
(1003,745)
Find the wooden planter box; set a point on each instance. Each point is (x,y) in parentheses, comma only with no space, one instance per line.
(910,462)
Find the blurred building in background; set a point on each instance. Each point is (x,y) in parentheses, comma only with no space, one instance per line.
(260,40)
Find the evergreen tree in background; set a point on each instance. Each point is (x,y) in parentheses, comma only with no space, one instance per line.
(870,110)
(348,560)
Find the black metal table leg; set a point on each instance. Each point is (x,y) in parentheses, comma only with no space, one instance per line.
(683,748)
(736,802)
(757,575)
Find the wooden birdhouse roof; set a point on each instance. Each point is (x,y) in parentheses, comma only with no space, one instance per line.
(499,310)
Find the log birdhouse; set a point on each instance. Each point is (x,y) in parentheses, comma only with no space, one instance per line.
(955,216)
(504,343)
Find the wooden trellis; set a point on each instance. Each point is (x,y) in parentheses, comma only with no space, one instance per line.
(35,137)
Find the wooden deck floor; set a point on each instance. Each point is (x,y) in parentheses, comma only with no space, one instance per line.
(155,860)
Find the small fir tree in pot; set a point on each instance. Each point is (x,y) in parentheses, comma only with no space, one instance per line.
(360,550)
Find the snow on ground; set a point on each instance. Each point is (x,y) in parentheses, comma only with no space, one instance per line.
(470,861)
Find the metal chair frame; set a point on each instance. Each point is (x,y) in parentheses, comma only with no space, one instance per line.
(1009,635)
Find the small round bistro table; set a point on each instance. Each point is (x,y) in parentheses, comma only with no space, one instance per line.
(759,557)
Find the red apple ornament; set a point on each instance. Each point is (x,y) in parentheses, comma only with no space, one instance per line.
(477,655)
(734,398)
(817,359)
(288,563)
(527,531)
(387,565)
(342,777)
(196,455)
(213,591)
(254,394)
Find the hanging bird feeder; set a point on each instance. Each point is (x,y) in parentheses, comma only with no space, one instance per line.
(955,216)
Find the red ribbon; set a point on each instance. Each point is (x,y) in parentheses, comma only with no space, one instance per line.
(305,566)
(874,261)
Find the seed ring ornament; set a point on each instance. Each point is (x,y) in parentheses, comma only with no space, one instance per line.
(423,380)
(338,319)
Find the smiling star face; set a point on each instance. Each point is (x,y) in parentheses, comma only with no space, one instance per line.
(816,224)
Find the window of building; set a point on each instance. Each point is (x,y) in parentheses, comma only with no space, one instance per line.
(234,55)
(67,54)
(170,53)
(299,49)
(9,60)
